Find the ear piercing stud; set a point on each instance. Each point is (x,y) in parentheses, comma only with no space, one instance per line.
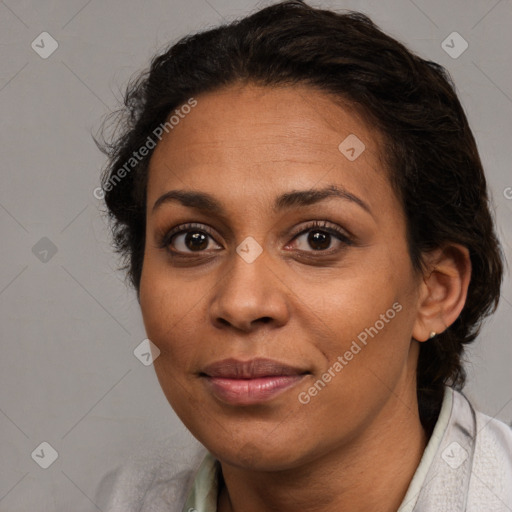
(432,334)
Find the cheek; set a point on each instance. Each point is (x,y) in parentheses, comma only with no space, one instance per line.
(167,320)
(370,340)
(368,316)
(365,365)
(166,309)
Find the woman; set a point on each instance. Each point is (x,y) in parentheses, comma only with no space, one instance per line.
(304,217)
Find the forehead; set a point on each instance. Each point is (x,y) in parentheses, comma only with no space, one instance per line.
(252,142)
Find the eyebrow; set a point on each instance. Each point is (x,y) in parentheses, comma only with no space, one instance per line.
(295,198)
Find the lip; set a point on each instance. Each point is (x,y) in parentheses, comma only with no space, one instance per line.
(250,382)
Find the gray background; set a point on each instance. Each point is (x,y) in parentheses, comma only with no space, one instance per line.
(68,375)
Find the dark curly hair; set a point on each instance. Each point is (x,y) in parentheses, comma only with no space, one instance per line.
(431,155)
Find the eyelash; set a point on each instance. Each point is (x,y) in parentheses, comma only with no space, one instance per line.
(165,240)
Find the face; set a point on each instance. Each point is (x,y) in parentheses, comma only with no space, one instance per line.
(308,294)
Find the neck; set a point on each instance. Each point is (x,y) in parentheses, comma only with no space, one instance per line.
(372,472)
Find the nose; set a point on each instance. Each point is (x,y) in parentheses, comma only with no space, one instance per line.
(249,295)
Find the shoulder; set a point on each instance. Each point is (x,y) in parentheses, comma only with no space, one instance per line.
(471,470)
(154,480)
(489,452)
(491,482)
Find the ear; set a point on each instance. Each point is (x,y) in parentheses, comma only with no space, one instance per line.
(443,290)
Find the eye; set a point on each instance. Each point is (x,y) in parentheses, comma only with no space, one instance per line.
(188,238)
(318,236)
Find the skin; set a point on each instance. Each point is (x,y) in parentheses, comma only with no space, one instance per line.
(356,445)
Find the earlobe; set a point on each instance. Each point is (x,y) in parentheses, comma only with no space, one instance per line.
(443,290)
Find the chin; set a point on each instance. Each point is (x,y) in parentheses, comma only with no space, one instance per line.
(255,449)
(254,457)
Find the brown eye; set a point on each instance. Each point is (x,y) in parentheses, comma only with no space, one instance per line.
(319,238)
(187,239)
(193,241)
(314,239)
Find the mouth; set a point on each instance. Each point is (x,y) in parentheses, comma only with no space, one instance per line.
(250,382)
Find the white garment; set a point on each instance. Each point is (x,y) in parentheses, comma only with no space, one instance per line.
(466,467)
